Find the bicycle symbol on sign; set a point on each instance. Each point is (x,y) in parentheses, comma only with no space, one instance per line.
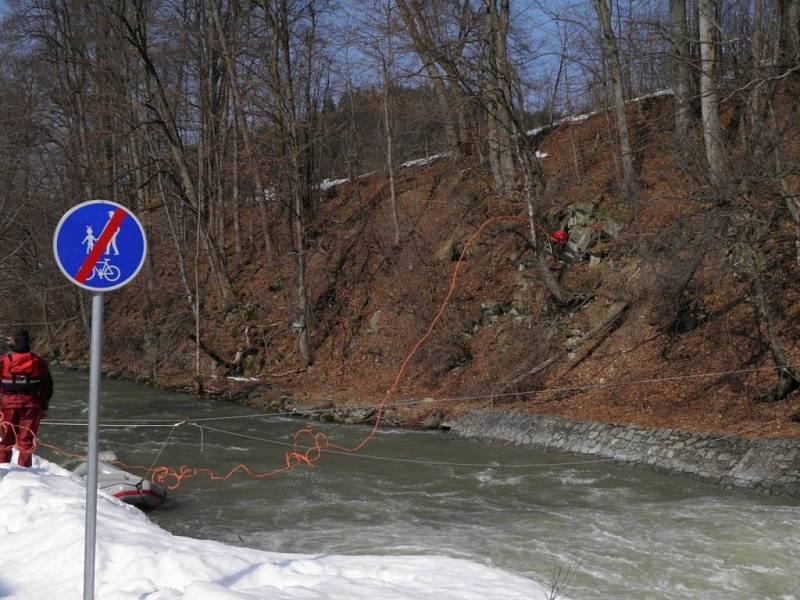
(103,270)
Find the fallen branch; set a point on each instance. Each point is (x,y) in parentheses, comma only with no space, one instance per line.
(609,320)
(285,374)
(229,367)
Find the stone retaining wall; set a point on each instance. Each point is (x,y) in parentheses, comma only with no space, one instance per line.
(769,466)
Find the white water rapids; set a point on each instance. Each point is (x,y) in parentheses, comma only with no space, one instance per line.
(602,530)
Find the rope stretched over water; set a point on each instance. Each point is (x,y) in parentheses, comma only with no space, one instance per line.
(310,445)
(164,423)
(185,471)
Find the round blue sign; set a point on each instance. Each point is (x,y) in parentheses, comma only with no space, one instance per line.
(99,245)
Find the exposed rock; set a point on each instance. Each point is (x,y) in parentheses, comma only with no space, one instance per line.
(252,365)
(574,337)
(586,226)
(351,416)
(305,410)
(445,253)
(434,420)
(374,323)
(494,308)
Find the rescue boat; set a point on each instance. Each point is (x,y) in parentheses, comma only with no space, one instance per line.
(127,487)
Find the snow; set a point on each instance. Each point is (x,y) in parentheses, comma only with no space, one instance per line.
(421,162)
(329,183)
(656,94)
(427,160)
(42,528)
(583,116)
(559,122)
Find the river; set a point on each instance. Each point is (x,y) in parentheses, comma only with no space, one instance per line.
(605,530)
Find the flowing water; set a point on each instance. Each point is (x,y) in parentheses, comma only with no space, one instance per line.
(605,530)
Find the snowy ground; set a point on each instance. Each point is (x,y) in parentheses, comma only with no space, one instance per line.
(42,525)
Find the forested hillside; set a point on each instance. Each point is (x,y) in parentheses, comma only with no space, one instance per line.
(312,174)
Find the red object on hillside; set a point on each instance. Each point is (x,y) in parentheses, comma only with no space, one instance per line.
(560,237)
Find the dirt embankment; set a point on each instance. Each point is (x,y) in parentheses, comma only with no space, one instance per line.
(661,329)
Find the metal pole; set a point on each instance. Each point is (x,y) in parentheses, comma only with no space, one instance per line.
(95,353)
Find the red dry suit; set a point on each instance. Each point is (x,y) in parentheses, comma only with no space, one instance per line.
(25,391)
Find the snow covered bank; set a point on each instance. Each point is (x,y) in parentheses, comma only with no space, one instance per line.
(42,521)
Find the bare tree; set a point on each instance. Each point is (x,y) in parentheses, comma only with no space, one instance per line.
(439,31)
(712,131)
(681,75)
(156,101)
(241,119)
(282,17)
(612,60)
(374,30)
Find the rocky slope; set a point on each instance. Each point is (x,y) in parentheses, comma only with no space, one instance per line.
(661,329)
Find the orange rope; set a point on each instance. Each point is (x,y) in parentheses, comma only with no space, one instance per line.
(308,445)
(4,425)
(317,442)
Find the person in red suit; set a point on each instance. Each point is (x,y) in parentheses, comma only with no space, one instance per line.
(25,391)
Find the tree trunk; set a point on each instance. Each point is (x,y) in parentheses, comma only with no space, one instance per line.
(450,126)
(789,54)
(792,200)
(235,200)
(681,76)
(389,155)
(244,129)
(353,167)
(386,53)
(500,77)
(611,51)
(788,380)
(712,131)
(301,322)
(281,67)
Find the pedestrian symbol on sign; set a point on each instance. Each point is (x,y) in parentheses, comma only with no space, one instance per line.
(113,242)
(89,240)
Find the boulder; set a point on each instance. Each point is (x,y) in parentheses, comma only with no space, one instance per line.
(586,225)
(433,420)
(494,308)
(374,323)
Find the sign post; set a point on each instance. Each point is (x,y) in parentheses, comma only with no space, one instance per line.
(100,246)
(90,529)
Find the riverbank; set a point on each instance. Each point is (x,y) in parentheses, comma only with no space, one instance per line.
(767,466)
(770,466)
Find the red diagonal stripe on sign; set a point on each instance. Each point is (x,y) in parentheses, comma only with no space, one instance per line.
(99,246)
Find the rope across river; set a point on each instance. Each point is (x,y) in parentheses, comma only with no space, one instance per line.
(308,445)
